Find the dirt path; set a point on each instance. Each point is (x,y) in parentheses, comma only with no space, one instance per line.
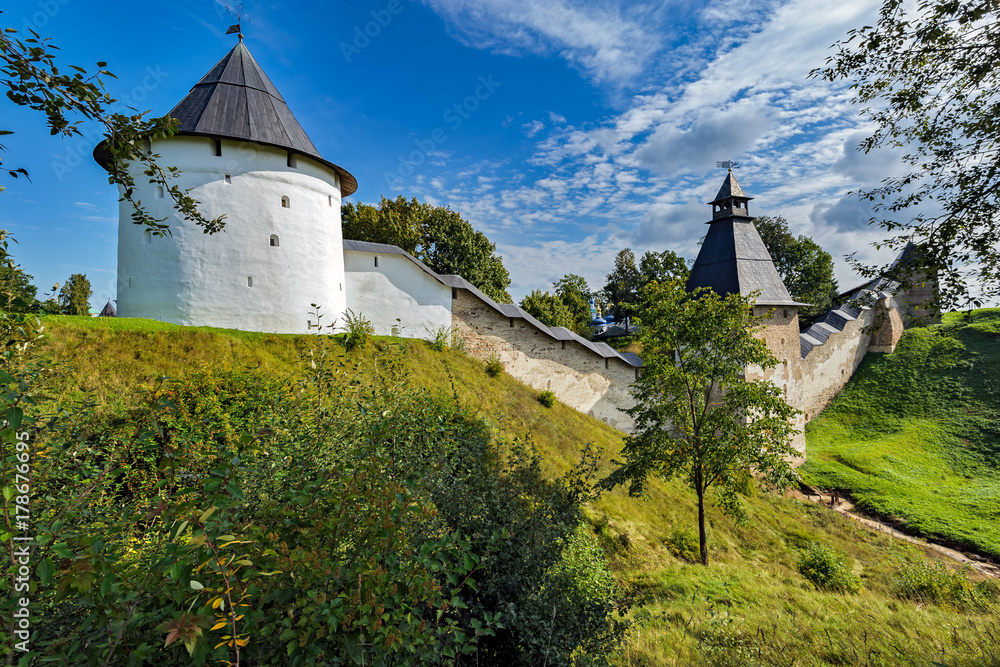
(845,507)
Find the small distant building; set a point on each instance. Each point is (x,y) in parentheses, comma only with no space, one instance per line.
(108,310)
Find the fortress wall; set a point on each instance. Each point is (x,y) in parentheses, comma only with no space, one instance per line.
(579,377)
(395,295)
(828,367)
(781,333)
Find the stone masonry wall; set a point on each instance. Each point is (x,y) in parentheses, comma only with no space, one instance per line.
(781,333)
(828,367)
(577,376)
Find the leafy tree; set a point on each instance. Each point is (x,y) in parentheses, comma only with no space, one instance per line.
(623,284)
(927,76)
(29,71)
(662,266)
(697,415)
(436,235)
(548,309)
(575,294)
(17,293)
(74,297)
(804,267)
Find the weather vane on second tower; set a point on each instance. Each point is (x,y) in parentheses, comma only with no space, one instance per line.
(240,16)
(729,164)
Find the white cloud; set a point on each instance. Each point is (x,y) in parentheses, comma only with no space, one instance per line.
(533,128)
(607,42)
(641,176)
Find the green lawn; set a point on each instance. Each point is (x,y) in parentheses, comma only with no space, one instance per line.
(751,606)
(915,435)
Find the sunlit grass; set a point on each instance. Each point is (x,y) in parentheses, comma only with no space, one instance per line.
(915,436)
(750,607)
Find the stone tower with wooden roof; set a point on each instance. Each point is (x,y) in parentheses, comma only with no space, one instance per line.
(734,259)
(243,154)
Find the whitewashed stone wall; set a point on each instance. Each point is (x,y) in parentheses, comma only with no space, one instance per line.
(236,278)
(395,295)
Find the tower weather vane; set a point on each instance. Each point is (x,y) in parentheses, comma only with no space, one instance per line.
(729,164)
(238,14)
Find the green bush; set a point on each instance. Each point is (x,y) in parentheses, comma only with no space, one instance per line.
(361,524)
(828,569)
(547,398)
(684,544)
(359,331)
(441,338)
(938,584)
(494,367)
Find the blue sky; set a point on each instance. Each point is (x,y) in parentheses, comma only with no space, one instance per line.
(583,126)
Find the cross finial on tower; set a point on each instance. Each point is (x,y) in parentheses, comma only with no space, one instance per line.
(729,164)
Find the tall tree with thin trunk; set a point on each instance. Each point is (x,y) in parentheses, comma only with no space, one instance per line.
(696,414)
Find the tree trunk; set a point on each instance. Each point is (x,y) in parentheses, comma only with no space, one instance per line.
(702,538)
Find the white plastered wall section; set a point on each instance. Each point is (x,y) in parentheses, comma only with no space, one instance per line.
(237,278)
(396,296)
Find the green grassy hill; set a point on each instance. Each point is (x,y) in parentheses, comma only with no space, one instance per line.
(915,436)
(750,607)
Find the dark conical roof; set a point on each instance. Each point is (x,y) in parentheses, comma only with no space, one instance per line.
(236,100)
(734,259)
(108,310)
(730,188)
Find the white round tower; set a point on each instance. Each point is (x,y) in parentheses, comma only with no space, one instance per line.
(241,153)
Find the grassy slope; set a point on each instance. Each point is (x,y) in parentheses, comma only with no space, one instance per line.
(750,607)
(915,436)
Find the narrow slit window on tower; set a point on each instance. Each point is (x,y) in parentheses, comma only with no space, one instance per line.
(564,345)
(454,293)
(249,281)
(159,192)
(285,203)
(273,241)
(291,160)
(330,199)
(218,148)
(229,179)
(130,283)
(376,262)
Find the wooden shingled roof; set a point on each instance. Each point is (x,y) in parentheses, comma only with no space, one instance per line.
(236,100)
(733,258)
